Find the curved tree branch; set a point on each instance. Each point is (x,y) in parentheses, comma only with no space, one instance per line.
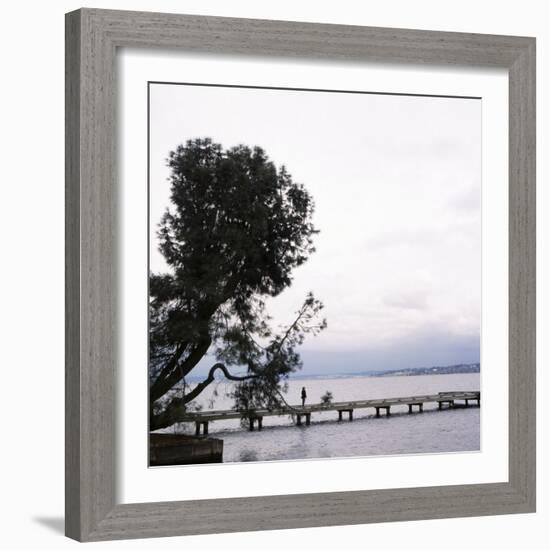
(176,410)
(199,388)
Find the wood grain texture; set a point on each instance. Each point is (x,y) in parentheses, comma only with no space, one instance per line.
(72,277)
(522,274)
(92,37)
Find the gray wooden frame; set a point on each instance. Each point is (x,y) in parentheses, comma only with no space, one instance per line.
(92,38)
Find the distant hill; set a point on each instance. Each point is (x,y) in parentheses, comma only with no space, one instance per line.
(460,368)
(448,369)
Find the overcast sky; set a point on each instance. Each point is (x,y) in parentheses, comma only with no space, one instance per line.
(397,187)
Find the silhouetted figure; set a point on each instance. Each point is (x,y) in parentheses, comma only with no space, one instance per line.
(304,395)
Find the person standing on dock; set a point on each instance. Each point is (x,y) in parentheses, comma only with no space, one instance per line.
(304,395)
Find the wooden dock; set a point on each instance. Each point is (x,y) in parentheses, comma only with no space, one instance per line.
(255,417)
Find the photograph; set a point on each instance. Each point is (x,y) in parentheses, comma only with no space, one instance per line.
(314,273)
(281,265)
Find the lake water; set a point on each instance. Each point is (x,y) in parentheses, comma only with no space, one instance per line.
(433,431)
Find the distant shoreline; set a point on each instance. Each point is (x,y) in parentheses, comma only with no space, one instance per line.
(421,371)
(462,368)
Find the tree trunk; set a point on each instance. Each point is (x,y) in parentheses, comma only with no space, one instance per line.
(166,382)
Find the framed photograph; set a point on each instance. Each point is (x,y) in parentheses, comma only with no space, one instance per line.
(300,282)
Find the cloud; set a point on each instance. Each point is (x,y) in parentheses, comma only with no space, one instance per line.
(408,300)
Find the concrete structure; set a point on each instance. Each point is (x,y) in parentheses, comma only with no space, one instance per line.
(176,449)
